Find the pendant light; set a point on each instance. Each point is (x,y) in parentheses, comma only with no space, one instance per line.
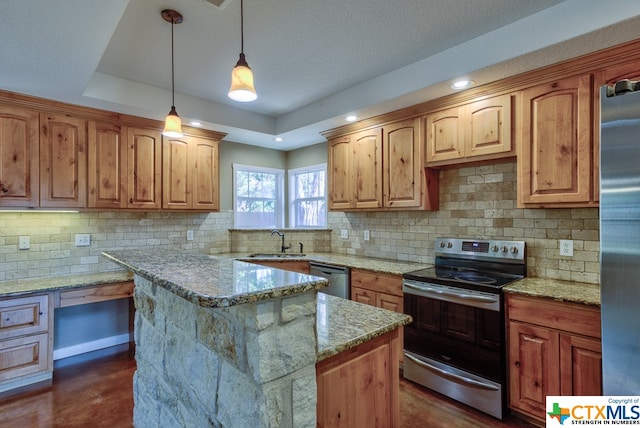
(241,76)
(172,123)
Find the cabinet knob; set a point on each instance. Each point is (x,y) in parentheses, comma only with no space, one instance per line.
(40,313)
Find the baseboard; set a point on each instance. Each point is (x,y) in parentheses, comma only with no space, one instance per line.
(94,345)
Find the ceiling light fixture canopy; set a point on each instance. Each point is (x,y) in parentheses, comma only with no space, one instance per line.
(242,88)
(172,123)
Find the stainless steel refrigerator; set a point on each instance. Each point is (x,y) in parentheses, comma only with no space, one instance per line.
(620,237)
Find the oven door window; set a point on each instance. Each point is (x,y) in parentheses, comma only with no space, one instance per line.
(462,336)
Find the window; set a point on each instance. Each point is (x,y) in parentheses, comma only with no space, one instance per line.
(258,197)
(308,197)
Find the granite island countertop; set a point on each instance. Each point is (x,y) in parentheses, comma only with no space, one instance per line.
(20,287)
(213,282)
(344,324)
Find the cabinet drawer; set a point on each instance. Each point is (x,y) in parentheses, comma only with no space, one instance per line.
(23,315)
(96,294)
(569,317)
(389,284)
(23,356)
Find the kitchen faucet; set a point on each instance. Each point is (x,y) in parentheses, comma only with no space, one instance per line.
(283,248)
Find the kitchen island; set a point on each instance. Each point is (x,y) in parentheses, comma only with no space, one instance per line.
(231,343)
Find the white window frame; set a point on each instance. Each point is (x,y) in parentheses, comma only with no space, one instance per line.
(279,206)
(292,192)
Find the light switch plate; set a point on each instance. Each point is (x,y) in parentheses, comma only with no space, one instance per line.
(344,234)
(367,236)
(23,243)
(189,235)
(83,240)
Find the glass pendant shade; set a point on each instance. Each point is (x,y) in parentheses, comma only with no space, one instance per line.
(242,82)
(172,125)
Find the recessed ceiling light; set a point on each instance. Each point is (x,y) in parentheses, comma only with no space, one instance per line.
(351,118)
(278,139)
(462,84)
(195,123)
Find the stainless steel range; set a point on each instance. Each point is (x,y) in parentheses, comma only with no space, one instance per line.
(455,344)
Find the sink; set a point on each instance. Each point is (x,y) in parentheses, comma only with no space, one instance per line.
(276,255)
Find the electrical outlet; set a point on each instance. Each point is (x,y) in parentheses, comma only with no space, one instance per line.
(566,247)
(23,243)
(366,235)
(344,234)
(83,240)
(189,235)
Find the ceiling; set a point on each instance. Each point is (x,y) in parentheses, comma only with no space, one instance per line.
(314,61)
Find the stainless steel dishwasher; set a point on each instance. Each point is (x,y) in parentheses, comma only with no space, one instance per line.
(338,277)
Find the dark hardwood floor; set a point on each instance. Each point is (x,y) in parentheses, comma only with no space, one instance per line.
(98,392)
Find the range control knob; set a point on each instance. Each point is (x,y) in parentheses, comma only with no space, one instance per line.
(504,249)
(514,250)
(495,248)
(442,244)
(449,245)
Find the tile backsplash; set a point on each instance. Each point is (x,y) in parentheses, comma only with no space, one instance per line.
(474,202)
(478,202)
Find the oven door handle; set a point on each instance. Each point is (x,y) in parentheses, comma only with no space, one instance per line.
(454,377)
(462,296)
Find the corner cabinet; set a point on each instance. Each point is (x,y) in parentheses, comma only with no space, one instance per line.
(557,155)
(553,349)
(481,130)
(381,168)
(190,174)
(19,157)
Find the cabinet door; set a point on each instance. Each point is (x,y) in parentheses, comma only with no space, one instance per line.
(63,161)
(107,165)
(555,164)
(144,159)
(23,356)
(445,135)
(19,152)
(367,168)
(402,167)
(580,365)
(534,367)
(340,174)
(362,295)
(176,177)
(206,181)
(488,129)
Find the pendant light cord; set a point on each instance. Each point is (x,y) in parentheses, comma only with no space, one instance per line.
(173,101)
(241,28)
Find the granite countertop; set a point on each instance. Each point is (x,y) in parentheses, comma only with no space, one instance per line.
(213,281)
(34,285)
(564,291)
(391,267)
(344,324)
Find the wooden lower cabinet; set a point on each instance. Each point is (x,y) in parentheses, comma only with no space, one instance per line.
(553,349)
(26,341)
(299,266)
(380,290)
(360,387)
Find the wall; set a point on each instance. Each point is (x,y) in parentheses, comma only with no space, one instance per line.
(478,202)
(307,156)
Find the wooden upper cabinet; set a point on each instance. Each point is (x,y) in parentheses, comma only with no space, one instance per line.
(480,130)
(555,161)
(190,174)
(339,164)
(63,161)
(144,159)
(445,134)
(107,165)
(402,164)
(367,168)
(19,153)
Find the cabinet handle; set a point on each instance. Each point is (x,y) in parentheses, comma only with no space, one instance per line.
(40,313)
